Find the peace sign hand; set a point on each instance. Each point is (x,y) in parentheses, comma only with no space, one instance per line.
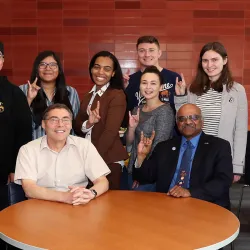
(145,144)
(94,116)
(180,86)
(32,91)
(134,119)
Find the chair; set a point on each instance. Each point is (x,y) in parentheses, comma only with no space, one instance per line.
(247,174)
(15,193)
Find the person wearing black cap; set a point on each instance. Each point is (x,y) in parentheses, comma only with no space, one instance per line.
(15,129)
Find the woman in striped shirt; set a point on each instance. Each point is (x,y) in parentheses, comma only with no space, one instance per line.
(222,100)
(48,87)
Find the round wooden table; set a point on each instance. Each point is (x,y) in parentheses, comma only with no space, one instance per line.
(119,220)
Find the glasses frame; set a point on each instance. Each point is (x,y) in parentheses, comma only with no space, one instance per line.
(45,65)
(55,120)
(192,118)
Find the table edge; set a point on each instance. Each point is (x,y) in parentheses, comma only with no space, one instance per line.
(223,243)
(24,246)
(19,244)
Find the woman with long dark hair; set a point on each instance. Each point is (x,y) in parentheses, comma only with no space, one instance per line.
(48,87)
(222,101)
(102,111)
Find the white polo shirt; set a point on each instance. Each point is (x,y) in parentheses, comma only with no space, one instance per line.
(73,165)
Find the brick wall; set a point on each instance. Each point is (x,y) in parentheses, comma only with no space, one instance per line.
(78,28)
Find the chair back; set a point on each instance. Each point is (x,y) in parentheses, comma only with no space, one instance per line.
(15,193)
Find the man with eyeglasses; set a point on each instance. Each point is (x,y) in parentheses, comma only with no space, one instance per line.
(192,165)
(57,166)
(15,129)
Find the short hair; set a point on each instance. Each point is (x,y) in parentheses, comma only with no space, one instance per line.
(56,106)
(147,39)
(154,70)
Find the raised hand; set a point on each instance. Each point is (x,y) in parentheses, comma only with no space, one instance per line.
(126,79)
(145,144)
(32,91)
(134,119)
(94,116)
(180,86)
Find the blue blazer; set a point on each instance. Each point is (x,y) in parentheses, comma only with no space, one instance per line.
(211,174)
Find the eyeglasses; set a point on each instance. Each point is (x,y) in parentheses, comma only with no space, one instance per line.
(55,120)
(52,65)
(190,117)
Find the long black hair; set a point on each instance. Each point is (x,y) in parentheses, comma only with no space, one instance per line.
(39,104)
(116,82)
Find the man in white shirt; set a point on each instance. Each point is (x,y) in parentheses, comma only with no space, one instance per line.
(57,166)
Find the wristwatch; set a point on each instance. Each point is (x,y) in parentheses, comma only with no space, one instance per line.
(93,192)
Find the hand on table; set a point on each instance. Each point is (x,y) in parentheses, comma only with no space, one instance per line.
(81,195)
(178,191)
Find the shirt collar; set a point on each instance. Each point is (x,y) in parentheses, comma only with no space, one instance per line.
(44,143)
(194,141)
(101,91)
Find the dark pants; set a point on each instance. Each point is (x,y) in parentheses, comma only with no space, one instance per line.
(114,177)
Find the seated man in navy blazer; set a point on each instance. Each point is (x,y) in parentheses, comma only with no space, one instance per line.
(192,165)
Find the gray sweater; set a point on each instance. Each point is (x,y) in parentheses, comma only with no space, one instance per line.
(161,120)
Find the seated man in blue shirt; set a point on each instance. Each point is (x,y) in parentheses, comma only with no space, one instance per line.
(192,165)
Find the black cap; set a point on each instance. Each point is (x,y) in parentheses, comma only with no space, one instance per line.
(1,48)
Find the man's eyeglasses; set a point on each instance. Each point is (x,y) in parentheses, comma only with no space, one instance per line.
(55,120)
(52,65)
(190,117)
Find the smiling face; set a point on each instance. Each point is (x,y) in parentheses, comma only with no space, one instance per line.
(150,86)
(102,71)
(148,54)
(48,73)
(212,64)
(191,126)
(57,131)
